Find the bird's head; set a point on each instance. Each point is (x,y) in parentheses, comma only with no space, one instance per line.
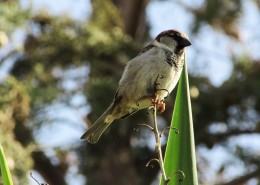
(173,40)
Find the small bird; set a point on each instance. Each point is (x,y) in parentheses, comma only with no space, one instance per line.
(148,77)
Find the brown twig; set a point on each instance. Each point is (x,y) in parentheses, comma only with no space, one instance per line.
(159,104)
(36,180)
(158,145)
(150,161)
(168,128)
(148,126)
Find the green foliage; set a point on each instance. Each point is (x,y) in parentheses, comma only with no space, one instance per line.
(17,158)
(14,103)
(220,14)
(14,109)
(106,15)
(4,170)
(180,150)
(11,15)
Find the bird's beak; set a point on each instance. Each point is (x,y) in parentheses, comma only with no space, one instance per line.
(185,42)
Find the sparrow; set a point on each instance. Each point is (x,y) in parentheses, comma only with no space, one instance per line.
(147,78)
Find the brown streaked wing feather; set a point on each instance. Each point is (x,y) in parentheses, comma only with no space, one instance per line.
(146,48)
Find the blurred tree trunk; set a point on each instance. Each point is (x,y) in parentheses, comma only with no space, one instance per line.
(133,12)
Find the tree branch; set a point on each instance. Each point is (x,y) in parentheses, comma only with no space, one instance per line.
(243,179)
(211,139)
(52,174)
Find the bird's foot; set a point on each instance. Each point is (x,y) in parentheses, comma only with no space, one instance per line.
(161,106)
(157,103)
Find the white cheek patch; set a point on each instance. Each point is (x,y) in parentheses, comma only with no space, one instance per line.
(166,43)
(160,45)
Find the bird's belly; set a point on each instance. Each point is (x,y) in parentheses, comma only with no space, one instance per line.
(161,80)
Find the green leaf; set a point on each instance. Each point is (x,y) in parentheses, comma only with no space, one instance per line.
(5,173)
(180,151)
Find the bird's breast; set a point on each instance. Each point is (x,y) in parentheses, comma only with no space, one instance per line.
(158,72)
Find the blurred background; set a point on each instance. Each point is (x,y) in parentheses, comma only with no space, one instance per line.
(60,62)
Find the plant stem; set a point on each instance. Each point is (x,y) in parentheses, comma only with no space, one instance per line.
(158,146)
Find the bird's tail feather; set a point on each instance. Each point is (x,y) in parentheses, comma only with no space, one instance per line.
(96,130)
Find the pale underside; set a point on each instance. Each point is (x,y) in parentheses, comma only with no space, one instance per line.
(137,85)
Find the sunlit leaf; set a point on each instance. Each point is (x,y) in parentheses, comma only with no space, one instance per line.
(5,173)
(180,156)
